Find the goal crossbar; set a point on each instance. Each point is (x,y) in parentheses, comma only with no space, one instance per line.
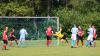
(1,17)
(26,17)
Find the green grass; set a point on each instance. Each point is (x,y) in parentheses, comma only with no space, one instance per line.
(38,48)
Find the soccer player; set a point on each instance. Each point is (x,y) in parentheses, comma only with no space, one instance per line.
(49,33)
(79,36)
(90,36)
(22,33)
(74,31)
(59,35)
(5,38)
(12,37)
(94,35)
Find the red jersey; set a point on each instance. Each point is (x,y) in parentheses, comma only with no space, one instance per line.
(49,31)
(94,33)
(11,34)
(4,36)
(80,32)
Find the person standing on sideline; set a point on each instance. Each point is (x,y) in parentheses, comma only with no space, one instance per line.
(74,31)
(90,36)
(22,33)
(80,36)
(94,36)
(5,38)
(49,33)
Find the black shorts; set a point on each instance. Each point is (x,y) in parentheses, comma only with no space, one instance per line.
(79,38)
(64,37)
(94,39)
(12,38)
(49,38)
(5,42)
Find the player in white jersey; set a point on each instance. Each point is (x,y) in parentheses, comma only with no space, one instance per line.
(74,31)
(90,36)
(22,33)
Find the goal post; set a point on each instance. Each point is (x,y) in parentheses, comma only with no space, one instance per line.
(1,17)
(31,24)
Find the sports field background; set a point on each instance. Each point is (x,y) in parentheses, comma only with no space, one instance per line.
(38,48)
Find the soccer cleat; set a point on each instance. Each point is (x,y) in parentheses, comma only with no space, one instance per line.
(72,47)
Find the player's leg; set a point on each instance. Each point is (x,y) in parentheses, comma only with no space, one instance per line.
(23,42)
(48,43)
(10,43)
(67,41)
(94,42)
(82,42)
(11,39)
(66,38)
(89,40)
(73,43)
(78,38)
(16,41)
(73,40)
(20,42)
(58,40)
(86,43)
(5,44)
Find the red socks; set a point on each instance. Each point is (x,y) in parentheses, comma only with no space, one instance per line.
(94,44)
(4,47)
(48,42)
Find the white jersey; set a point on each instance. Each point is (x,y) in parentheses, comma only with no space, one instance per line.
(74,31)
(90,32)
(22,33)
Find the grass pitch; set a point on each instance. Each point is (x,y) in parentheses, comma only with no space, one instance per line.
(38,48)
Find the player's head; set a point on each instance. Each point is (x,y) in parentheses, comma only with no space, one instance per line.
(74,25)
(93,26)
(49,26)
(89,26)
(79,27)
(6,28)
(13,30)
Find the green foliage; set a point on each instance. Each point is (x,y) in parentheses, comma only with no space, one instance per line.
(70,17)
(14,9)
(80,12)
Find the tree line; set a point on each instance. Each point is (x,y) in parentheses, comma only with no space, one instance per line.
(80,12)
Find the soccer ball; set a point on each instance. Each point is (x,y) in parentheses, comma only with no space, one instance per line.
(62,40)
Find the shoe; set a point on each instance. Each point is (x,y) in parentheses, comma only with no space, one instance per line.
(71,46)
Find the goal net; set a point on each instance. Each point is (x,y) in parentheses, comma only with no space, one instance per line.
(35,26)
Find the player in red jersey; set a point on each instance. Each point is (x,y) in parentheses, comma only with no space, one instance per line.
(5,38)
(12,37)
(49,33)
(94,36)
(80,36)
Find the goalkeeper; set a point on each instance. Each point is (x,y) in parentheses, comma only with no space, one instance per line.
(60,36)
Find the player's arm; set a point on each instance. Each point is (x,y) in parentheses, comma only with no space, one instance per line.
(82,32)
(95,35)
(14,36)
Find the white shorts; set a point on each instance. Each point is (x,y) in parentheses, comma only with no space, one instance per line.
(90,38)
(73,37)
(22,39)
